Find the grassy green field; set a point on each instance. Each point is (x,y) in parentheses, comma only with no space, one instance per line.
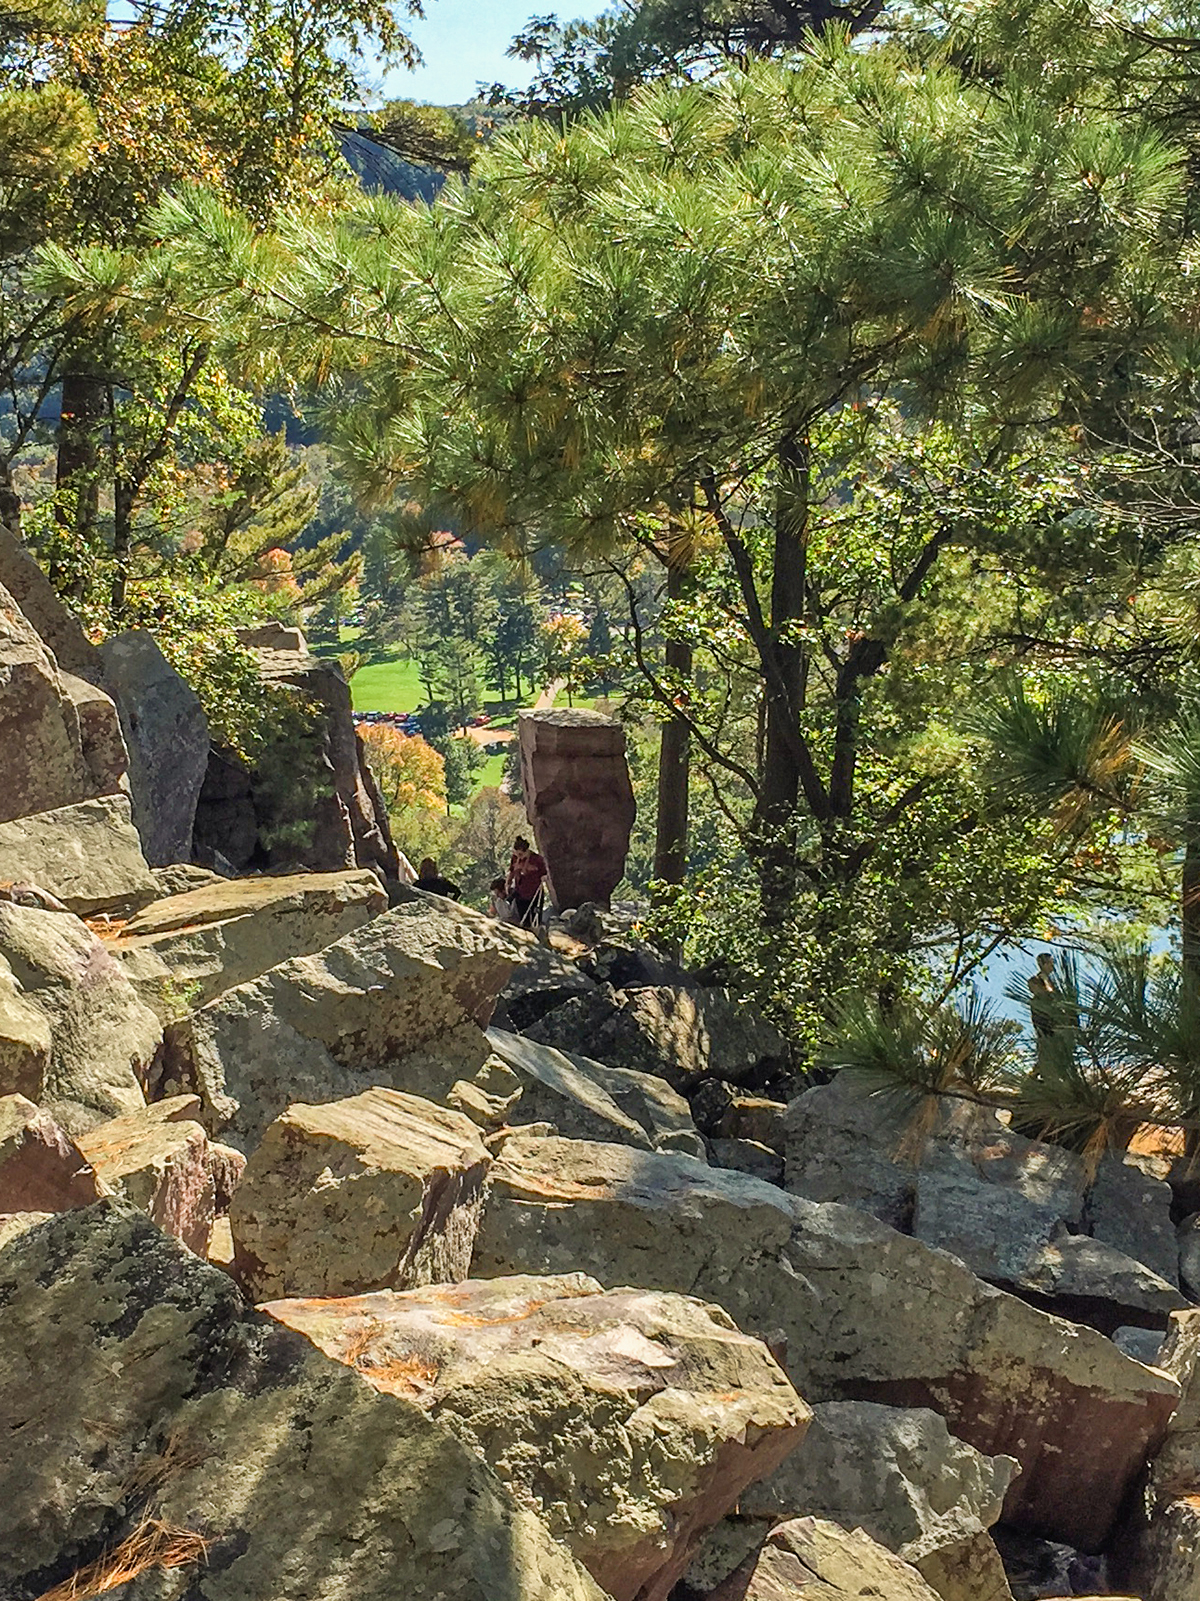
(390,685)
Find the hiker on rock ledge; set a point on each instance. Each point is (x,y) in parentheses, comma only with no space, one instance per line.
(526,875)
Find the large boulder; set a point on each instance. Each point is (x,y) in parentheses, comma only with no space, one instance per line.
(309,797)
(39,727)
(900,1475)
(579,800)
(163,1433)
(72,1029)
(629,1420)
(866,1313)
(41,1168)
(1021,1213)
(812,1560)
(684,1035)
(166,732)
(57,626)
(224,933)
(398,1002)
(88,856)
(101,738)
(381,1190)
(542,980)
(158,1160)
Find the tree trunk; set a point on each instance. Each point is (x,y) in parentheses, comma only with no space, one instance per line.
(123,501)
(77,474)
(1190,916)
(785,670)
(670,844)
(10,502)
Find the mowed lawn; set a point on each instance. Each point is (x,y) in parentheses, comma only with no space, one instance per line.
(393,685)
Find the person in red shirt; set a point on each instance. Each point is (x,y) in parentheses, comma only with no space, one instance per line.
(526,875)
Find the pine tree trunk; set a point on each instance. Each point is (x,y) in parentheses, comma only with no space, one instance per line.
(10,502)
(77,477)
(670,844)
(785,676)
(1190,915)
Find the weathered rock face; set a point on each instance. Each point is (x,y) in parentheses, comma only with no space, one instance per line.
(166,733)
(381,1190)
(57,626)
(41,1168)
(544,980)
(71,1023)
(397,1002)
(900,1476)
(649,1410)
(867,1313)
(310,798)
(158,1162)
(557,1092)
(322,1487)
(812,1558)
(39,727)
(684,1035)
(102,742)
(579,800)
(88,856)
(215,937)
(1019,1212)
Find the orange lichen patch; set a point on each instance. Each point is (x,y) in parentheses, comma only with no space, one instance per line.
(1153,1139)
(469,1320)
(565,1189)
(153,1544)
(106,927)
(403,1375)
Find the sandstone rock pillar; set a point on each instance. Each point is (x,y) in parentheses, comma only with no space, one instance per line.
(578,799)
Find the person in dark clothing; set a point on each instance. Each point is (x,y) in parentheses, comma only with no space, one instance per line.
(432,882)
(526,875)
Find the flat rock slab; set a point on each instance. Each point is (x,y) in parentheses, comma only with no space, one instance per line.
(899,1475)
(215,937)
(41,1168)
(382,1189)
(812,1560)
(290,1475)
(397,1002)
(867,1313)
(629,1420)
(71,1025)
(88,856)
(160,1164)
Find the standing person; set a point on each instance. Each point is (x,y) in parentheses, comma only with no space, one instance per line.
(526,875)
(432,882)
(498,903)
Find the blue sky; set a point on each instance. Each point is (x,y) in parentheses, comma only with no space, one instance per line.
(463,42)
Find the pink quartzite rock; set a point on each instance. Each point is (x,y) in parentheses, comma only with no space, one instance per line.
(160,1164)
(41,1168)
(579,800)
(629,1420)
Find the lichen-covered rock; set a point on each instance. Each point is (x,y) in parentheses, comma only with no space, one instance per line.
(542,980)
(629,1420)
(556,1091)
(397,1002)
(898,1474)
(160,1164)
(867,1313)
(579,799)
(101,740)
(41,1168)
(812,1560)
(136,1384)
(43,765)
(88,856)
(227,932)
(101,1038)
(379,1190)
(166,733)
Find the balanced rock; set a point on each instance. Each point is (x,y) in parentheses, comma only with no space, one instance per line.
(227,932)
(629,1420)
(73,1033)
(812,1560)
(579,800)
(158,1161)
(867,1313)
(166,733)
(41,1168)
(39,726)
(397,1002)
(88,856)
(379,1190)
(898,1474)
(154,1418)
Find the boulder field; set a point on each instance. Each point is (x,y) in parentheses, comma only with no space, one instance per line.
(355,1248)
